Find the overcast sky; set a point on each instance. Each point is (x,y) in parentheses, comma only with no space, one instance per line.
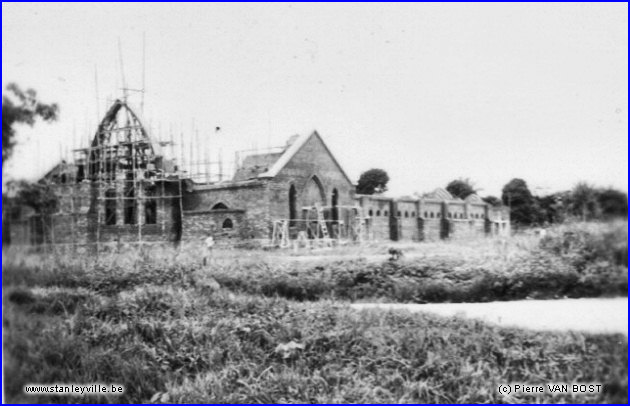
(428,92)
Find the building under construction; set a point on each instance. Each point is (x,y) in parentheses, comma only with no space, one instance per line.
(126,188)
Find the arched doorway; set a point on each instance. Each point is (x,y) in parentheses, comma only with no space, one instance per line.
(313,195)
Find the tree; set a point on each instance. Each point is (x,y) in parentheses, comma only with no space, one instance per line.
(39,196)
(492,200)
(584,201)
(461,188)
(372,181)
(21,107)
(550,208)
(519,199)
(613,203)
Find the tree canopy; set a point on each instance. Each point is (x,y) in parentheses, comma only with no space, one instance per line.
(461,188)
(38,196)
(373,181)
(492,200)
(518,197)
(613,203)
(583,201)
(21,107)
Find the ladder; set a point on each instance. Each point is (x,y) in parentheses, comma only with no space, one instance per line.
(322,222)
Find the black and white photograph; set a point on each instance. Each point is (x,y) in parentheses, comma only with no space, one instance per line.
(314,203)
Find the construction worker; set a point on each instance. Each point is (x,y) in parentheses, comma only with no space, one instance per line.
(209,242)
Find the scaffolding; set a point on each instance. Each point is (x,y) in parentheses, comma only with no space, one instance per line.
(321,226)
(122,188)
(125,187)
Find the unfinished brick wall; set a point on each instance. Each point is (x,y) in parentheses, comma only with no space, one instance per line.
(379,222)
(199,225)
(77,221)
(431,211)
(247,206)
(427,219)
(407,212)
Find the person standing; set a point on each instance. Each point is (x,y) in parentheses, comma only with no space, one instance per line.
(209,242)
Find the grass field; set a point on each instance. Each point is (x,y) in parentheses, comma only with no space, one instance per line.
(173,331)
(587,260)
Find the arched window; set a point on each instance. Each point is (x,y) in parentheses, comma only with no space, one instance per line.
(129,203)
(413,214)
(334,202)
(313,193)
(406,214)
(110,207)
(385,213)
(371,213)
(431,214)
(483,216)
(219,206)
(292,205)
(425,215)
(398,214)
(449,214)
(378,213)
(227,224)
(150,211)
(439,215)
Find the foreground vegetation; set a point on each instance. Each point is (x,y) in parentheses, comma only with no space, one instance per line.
(585,260)
(177,341)
(580,260)
(171,330)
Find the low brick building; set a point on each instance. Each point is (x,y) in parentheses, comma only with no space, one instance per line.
(434,216)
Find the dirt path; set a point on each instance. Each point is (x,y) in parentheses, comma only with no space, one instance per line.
(587,315)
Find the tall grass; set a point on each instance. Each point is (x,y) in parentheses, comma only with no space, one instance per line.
(576,260)
(173,344)
(171,330)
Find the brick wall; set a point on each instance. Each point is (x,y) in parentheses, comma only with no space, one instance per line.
(247,206)
(424,219)
(407,213)
(431,212)
(312,160)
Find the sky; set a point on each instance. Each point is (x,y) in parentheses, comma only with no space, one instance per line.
(428,92)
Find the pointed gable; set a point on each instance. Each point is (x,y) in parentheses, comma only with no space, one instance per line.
(296,145)
(439,194)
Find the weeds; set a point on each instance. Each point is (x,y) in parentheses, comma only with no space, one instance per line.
(173,331)
(183,345)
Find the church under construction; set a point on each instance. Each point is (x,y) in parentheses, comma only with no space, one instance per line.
(125,188)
